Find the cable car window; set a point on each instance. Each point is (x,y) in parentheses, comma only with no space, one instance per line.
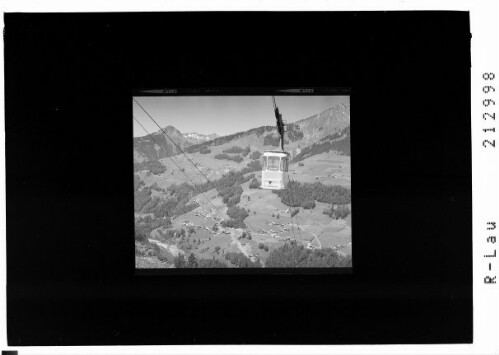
(284,164)
(273,163)
(264,163)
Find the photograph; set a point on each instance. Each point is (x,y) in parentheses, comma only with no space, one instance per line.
(242,181)
(238,186)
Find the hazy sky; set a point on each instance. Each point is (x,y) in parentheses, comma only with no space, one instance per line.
(225,114)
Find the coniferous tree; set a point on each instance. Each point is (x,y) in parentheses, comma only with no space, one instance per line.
(192,262)
(179,262)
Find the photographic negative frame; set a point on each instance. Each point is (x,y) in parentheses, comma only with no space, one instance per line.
(323,114)
(412,279)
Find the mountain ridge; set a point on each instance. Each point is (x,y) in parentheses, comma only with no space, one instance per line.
(299,134)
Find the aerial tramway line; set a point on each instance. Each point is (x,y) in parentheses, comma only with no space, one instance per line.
(275,163)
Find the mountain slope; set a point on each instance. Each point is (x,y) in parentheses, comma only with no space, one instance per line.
(328,124)
(330,121)
(161,146)
(301,133)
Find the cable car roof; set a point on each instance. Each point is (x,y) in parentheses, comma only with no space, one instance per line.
(275,153)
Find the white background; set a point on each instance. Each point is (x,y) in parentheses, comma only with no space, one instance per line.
(484,50)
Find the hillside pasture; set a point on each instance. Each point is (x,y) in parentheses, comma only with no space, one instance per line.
(316,229)
(207,164)
(326,168)
(312,223)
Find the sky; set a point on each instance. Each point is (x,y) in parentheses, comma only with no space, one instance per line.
(225,115)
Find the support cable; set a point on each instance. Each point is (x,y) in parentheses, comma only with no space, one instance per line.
(179,168)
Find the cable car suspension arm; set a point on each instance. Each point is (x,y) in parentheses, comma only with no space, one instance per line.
(280,124)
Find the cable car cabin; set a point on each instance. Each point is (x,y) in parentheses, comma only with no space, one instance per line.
(275,170)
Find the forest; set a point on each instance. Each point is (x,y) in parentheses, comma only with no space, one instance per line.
(223,156)
(254,184)
(192,262)
(252,166)
(303,195)
(240,260)
(229,188)
(145,225)
(337,212)
(238,150)
(176,204)
(237,212)
(294,255)
(255,155)
(334,136)
(237,216)
(233,223)
(154,166)
(231,195)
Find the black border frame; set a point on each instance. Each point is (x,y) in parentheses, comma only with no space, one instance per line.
(68,80)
